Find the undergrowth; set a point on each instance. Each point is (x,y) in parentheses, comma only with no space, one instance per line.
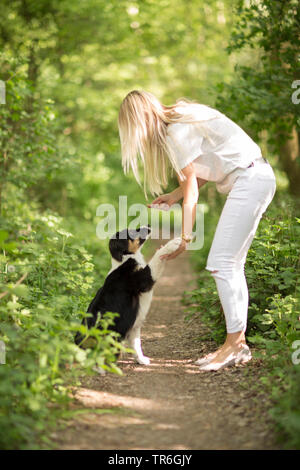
(47,280)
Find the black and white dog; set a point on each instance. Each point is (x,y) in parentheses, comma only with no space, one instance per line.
(128,287)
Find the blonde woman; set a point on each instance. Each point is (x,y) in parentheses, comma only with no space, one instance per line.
(201,144)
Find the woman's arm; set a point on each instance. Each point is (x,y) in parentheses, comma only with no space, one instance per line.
(169,198)
(201,182)
(190,191)
(177,194)
(174,196)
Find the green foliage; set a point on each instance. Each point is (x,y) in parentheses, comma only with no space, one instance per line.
(287,404)
(67,66)
(27,135)
(39,318)
(272,272)
(261,95)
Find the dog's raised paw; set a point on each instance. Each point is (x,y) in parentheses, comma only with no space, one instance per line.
(171,246)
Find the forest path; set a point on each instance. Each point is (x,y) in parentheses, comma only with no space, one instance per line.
(170,404)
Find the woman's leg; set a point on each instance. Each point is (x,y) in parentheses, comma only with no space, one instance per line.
(247,201)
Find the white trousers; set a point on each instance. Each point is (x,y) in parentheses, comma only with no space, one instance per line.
(248,199)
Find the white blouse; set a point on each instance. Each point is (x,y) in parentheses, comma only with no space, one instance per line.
(218,148)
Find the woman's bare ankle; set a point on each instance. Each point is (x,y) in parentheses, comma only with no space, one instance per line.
(235,340)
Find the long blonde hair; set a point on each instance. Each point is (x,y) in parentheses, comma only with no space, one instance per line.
(143,122)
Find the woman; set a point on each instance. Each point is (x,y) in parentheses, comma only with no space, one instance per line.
(201,144)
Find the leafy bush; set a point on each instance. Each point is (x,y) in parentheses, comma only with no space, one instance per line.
(46,269)
(272,271)
(46,280)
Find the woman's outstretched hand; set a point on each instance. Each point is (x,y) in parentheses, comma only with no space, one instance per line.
(173,255)
(163,202)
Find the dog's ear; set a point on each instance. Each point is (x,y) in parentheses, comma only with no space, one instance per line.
(116,248)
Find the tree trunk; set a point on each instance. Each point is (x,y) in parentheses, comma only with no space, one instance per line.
(289,151)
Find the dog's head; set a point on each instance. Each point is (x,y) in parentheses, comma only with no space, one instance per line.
(128,242)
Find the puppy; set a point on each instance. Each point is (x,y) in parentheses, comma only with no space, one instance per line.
(128,287)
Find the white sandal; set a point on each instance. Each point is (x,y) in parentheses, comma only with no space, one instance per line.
(209,357)
(241,357)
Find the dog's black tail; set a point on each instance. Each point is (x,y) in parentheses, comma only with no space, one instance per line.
(88,322)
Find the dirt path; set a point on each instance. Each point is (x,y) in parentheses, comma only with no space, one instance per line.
(170,404)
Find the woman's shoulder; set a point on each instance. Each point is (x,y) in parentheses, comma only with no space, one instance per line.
(197,111)
(193,114)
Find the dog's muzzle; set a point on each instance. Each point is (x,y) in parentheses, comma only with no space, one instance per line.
(144,232)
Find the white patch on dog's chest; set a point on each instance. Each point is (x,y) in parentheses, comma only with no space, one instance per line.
(146,297)
(145,302)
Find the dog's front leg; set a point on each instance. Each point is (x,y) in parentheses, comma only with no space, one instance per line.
(134,341)
(156,264)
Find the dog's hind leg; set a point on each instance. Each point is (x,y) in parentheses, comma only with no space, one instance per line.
(134,342)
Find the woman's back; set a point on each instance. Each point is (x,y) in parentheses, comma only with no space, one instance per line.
(214,143)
